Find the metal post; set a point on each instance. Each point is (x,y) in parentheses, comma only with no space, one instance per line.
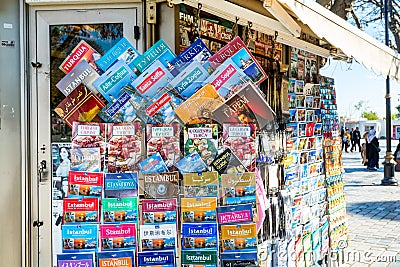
(389,163)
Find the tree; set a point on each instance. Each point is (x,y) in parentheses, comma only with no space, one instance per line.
(370,115)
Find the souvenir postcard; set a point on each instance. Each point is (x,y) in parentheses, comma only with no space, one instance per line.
(202,138)
(80,238)
(303,157)
(123,50)
(300,101)
(192,163)
(239,237)
(317,116)
(239,259)
(85,184)
(112,81)
(156,259)
(124,146)
(198,210)
(61,159)
(80,105)
(291,129)
(312,156)
(246,106)
(164,139)
(120,210)
(235,214)
(120,185)
(161,185)
(292,115)
(200,105)
(241,140)
(153,164)
(302,129)
(124,109)
(82,51)
(82,73)
(162,109)
(316,102)
(309,102)
(319,154)
(204,258)
(197,51)
(159,211)
(299,87)
(159,51)
(227,79)
(292,98)
(75,259)
(190,80)
(199,236)
(318,129)
(85,159)
(239,53)
(158,237)
(152,81)
(301,115)
(200,184)
(118,237)
(116,258)
(292,83)
(309,115)
(85,210)
(228,162)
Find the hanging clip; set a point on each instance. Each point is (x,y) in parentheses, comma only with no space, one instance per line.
(197,23)
(235,29)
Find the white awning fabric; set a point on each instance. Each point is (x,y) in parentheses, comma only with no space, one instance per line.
(351,40)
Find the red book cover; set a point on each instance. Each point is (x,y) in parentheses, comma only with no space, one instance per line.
(85,210)
(83,51)
(85,184)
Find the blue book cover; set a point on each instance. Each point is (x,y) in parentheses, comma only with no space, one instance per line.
(75,259)
(197,51)
(113,80)
(121,185)
(85,159)
(124,109)
(239,259)
(162,110)
(192,163)
(156,258)
(190,80)
(79,238)
(116,258)
(199,236)
(160,51)
(123,50)
(153,164)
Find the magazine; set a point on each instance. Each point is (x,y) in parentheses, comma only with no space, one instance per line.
(197,51)
(79,211)
(235,214)
(123,50)
(85,184)
(202,138)
(80,238)
(192,163)
(86,159)
(228,162)
(156,259)
(120,185)
(159,211)
(161,185)
(120,210)
(116,258)
(75,259)
(153,164)
(199,236)
(82,51)
(198,210)
(61,159)
(158,237)
(118,237)
(239,238)
(200,184)
(204,258)
(239,259)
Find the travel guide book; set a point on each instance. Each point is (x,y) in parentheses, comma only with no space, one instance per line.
(75,259)
(202,138)
(204,258)
(120,210)
(239,259)
(200,184)
(197,51)
(156,259)
(162,109)
(124,146)
(118,237)
(198,210)
(199,236)
(239,238)
(123,50)
(241,140)
(228,162)
(80,238)
(82,51)
(113,80)
(153,164)
(235,214)
(85,210)
(85,184)
(159,211)
(85,159)
(80,105)
(192,163)
(239,53)
(158,237)
(116,258)
(120,185)
(161,185)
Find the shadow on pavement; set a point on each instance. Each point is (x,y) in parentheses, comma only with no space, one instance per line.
(385,209)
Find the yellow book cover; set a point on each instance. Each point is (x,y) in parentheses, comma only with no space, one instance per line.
(201,209)
(239,237)
(200,184)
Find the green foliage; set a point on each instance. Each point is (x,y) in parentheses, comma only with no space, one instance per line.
(370,115)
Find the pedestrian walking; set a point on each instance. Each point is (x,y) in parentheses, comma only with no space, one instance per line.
(352,139)
(364,150)
(346,141)
(356,136)
(373,150)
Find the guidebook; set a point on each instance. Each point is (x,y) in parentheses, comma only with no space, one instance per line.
(156,259)
(85,159)
(120,185)
(120,210)
(153,164)
(204,258)
(197,51)
(158,237)
(80,238)
(228,162)
(202,138)
(235,214)
(162,109)
(200,184)
(239,237)
(75,259)
(199,236)
(116,258)
(198,210)
(192,163)
(161,185)
(85,210)
(85,184)
(82,51)
(118,237)
(239,259)
(159,211)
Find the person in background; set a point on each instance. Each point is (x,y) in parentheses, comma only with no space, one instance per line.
(396,153)
(363,150)
(357,138)
(346,140)
(352,139)
(341,137)
(372,151)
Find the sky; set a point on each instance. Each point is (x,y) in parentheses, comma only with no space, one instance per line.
(354,82)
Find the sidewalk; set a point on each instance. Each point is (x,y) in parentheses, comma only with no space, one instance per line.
(373,215)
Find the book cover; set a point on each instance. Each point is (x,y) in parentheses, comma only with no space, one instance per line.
(82,51)
(80,238)
(116,258)
(159,51)
(192,163)
(124,146)
(75,259)
(156,259)
(159,211)
(120,185)
(80,105)
(228,162)
(82,73)
(111,82)
(239,237)
(118,237)
(161,185)
(202,138)
(200,105)
(126,108)
(85,159)
(158,237)
(85,184)
(190,80)
(235,214)
(205,258)
(164,139)
(85,210)
(162,109)
(239,259)
(197,51)
(241,140)
(153,164)
(227,79)
(120,210)
(123,50)
(239,53)
(198,210)
(199,236)
(200,184)
(246,106)
(61,160)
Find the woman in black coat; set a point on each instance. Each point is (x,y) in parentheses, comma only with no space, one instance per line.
(372,151)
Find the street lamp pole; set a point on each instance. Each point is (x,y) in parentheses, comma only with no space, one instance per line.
(389,163)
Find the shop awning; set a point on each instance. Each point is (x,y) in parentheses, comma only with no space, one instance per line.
(341,34)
